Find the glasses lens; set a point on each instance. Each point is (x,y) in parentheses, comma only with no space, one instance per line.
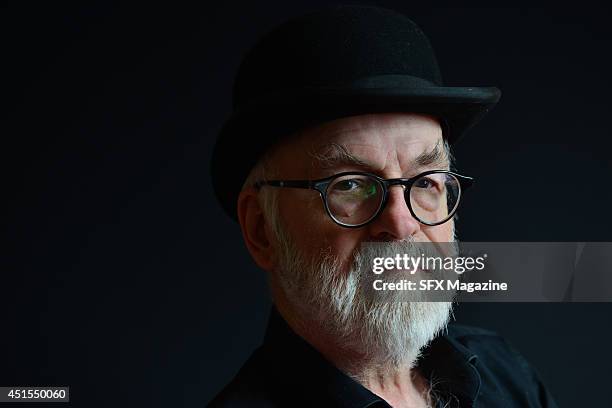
(354,199)
(434,197)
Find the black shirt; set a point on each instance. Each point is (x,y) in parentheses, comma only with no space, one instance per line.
(469,367)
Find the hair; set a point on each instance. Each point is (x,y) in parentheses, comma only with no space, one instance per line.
(267,197)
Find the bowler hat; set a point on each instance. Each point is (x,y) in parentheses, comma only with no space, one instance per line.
(337,62)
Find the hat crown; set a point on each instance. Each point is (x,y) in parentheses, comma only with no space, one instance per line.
(338,62)
(332,47)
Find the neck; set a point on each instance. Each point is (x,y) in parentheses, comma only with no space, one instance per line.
(400,385)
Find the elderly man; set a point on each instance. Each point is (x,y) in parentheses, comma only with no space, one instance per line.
(340,137)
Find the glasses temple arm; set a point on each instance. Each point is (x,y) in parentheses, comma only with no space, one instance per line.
(285,183)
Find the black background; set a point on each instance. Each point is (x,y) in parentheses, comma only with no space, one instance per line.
(123,279)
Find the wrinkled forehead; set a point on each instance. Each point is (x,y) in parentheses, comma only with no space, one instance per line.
(398,143)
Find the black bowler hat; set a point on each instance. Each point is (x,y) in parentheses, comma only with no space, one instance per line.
(337,62)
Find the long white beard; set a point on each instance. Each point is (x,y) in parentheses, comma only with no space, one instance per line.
(387,334)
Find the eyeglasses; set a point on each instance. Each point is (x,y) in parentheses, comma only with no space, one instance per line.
(354,199)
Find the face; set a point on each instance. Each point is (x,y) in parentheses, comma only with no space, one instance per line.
(390,145)
(321,265)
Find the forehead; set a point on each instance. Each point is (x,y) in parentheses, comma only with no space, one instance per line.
(384,142)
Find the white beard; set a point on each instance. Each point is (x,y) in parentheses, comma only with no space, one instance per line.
(387,334)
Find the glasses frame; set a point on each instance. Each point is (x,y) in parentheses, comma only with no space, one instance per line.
(321,185)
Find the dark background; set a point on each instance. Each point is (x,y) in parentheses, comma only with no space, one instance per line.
(123,279)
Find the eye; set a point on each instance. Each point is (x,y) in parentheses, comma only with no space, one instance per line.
(349,185)
(425,182)
(355,187)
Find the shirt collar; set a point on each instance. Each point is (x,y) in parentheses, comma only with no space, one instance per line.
(451,367)
(301,368)
(304,370)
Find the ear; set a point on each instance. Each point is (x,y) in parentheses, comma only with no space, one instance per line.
(254,228)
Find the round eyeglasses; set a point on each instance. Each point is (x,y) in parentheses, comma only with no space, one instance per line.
(354,199)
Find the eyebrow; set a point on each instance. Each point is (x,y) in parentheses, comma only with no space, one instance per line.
(334,155)
(439,155)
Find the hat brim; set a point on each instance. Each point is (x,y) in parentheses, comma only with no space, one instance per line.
(254,128)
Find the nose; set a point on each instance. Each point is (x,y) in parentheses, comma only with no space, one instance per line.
(395,222)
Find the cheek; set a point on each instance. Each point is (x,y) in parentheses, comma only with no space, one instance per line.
(313,231)
(304,219)
(440,233)
(343,243)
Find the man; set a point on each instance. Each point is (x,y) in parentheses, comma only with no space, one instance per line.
(338,152)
